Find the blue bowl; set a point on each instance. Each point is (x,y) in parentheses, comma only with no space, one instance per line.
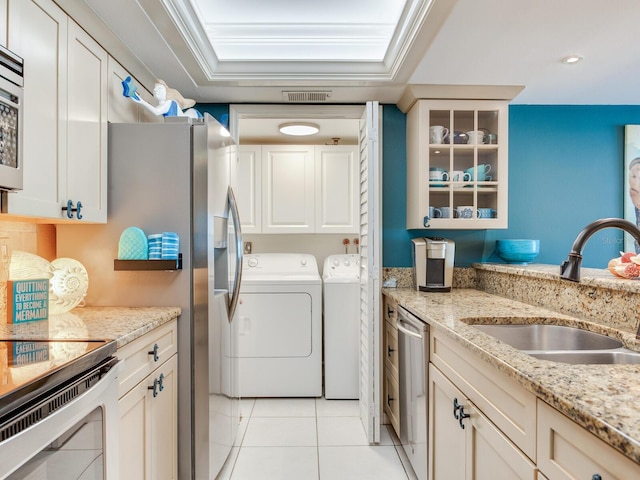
(519,252)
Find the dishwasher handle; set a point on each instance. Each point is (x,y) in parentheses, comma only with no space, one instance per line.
(402,329)
(410,325)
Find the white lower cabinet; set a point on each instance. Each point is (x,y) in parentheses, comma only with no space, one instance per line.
(391,386)
(149,406)
(464,444)
(566,451)
(508,432)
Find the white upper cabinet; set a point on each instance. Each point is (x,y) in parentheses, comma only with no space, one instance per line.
(3,22)
(298,188)
(65,115)
(87,125)
(249,187)
(287,189)
(336,189)
(457,164)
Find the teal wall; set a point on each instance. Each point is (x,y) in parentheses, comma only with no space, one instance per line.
(565,171)
(216,110)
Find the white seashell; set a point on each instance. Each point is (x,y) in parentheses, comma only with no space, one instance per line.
(68,286)
(28,266)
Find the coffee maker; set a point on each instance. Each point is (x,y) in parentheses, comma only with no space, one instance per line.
(433,263)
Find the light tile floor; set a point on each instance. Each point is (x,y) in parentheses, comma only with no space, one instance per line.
(311,439)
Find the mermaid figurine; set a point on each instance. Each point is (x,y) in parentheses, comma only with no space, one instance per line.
(170,102)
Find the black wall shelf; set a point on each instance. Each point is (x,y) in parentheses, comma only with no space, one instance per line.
(148,264)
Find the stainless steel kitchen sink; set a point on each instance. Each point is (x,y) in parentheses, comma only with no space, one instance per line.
(589,357)
(541,337)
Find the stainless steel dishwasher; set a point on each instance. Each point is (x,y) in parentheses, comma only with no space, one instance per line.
(413,353)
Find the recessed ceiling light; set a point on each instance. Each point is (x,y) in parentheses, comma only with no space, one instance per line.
(299,128)
(571,59)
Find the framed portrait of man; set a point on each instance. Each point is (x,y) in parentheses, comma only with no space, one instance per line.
(631,182)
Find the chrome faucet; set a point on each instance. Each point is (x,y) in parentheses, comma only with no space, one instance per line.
(570,268)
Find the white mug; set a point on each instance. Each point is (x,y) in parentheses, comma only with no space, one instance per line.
(465,211)
(438,175)
(459,176)
(475,137)
(437,133)
(435,212)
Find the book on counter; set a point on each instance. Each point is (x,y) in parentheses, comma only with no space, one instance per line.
(27,300)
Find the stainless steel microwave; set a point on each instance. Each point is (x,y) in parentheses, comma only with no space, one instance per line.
(11,90)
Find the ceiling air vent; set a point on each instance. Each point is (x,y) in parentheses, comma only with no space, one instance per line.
(305,96)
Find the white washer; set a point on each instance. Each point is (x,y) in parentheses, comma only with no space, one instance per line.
(341,277)
(279,326)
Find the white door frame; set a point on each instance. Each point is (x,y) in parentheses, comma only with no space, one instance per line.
(240,111)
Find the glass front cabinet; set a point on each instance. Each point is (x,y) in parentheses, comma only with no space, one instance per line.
(457,164)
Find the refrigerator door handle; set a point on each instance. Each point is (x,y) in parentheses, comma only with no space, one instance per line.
(233,211)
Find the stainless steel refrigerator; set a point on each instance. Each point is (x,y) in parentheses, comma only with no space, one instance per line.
(175,177)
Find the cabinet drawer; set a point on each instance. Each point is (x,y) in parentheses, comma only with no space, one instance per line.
(139,358)
(390,310)
(568,451)
(391,349)
(392,402)
(506,403)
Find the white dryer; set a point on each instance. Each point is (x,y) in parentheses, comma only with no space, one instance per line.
(341,297)
(279,326)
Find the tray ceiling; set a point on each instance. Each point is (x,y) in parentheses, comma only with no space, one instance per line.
(435,43)
(249,39)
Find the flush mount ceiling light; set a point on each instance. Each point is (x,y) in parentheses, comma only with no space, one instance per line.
(571,59)
(299,128)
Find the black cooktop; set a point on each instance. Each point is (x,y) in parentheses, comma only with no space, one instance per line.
(29,368)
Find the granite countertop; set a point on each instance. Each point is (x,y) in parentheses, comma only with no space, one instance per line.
(122,324)
(601,398)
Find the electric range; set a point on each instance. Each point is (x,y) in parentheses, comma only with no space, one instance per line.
(31,367)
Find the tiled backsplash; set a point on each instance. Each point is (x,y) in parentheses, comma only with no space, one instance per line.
(31,237)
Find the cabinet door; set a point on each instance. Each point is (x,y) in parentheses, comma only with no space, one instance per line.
(135,418)
(447,441)
(148,426)
(566,451)
(336,203)
(287,189)
(86,179)
(39,35)
(164,422)
(490,454)
(471,448)
(3,22)
(249,188)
